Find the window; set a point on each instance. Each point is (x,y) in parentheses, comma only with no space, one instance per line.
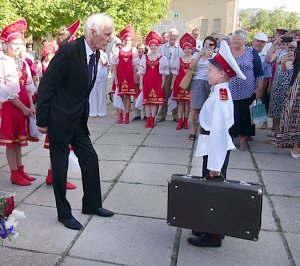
(217,25)
(203,28)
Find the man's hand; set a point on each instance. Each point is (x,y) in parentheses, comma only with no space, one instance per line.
(214,173)
(42,130)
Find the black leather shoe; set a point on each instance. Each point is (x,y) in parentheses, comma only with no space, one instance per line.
(197,233)
(160,119)
(205,241)
(136,118)
(145,118)
(100,212)
(71,223)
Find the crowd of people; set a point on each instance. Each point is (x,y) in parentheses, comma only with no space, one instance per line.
(68,84)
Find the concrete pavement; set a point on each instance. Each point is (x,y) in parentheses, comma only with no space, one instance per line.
(135,164)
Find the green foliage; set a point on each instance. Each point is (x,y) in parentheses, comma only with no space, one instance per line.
(47,16)
(267,21)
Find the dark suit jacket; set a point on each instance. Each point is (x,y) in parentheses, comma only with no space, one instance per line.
(63,94)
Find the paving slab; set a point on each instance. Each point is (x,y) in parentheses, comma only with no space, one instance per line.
(149,173)
(20,192)
(70,261)
(42,232)
(282,183)
(262,146)
(35,165)
(126,240)
(109,170)
(44,196)
(268,250)
(294,244)
(99,126)
(277,162)
(122,139)
(267,219)
(240,160)
(162,155)
(232,174)
(13,257)
(132,128)
(114,152)
(168,127)
(3,160)
(288,211)
(142,200)
(167,141)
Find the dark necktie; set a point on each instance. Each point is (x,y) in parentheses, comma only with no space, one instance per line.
(91,67)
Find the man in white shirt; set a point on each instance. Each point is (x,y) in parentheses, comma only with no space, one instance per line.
(171,51)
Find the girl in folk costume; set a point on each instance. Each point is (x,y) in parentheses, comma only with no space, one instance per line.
(48,52)
(122,65)
(16,90)
(152,70)
(65,35)
(179,68)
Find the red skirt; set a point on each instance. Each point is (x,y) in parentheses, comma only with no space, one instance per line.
(14,128)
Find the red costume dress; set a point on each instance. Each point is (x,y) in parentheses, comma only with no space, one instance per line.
(153,91)
(125,72)
(180,94)
(14,125)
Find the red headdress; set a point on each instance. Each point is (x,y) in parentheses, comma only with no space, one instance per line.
(73,29)
(14,30)
(49,49)
(187,40)
(127,32)
(153,38)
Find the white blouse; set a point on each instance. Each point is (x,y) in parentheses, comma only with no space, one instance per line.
(163,65)
(9,79)
(114,56)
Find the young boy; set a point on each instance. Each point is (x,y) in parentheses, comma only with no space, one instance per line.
(216,118)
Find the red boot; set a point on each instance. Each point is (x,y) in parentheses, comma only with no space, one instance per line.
(148,121)
(185,123)
(70,185)
(49,180)
(16,178)
(152,124)
(22,173)
(180,124)
(120,121)
(126,121)
(49,177)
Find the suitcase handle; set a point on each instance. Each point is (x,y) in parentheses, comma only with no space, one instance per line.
(221,177)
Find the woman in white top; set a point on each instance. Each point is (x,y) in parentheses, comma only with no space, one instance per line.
(200,88)
(98,94)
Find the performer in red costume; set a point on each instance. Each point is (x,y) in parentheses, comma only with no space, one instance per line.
(152,70)
(122,65)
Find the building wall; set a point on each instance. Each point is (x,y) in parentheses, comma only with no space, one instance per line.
(207,15)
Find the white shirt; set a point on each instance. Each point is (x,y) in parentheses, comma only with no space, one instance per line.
(216,116)
(88,51)
(171,53)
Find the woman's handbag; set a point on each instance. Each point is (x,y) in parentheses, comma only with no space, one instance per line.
(258,113)
(186,81)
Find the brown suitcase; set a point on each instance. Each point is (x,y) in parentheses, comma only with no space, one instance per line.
(222,207)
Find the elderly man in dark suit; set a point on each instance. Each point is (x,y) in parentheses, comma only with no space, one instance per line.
(63,110)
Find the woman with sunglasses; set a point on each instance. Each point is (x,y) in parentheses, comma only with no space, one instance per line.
(200,88)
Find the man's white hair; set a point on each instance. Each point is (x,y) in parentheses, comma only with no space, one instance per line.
(173,30)
(97,22)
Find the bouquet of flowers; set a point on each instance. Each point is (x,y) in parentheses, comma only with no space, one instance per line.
(8,216)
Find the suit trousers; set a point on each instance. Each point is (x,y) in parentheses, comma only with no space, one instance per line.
(205,171)
(88,161)
(164,108)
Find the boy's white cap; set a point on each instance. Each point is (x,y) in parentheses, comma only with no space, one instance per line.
(224,60)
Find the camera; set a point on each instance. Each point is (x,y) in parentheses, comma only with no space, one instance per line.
(287,39)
